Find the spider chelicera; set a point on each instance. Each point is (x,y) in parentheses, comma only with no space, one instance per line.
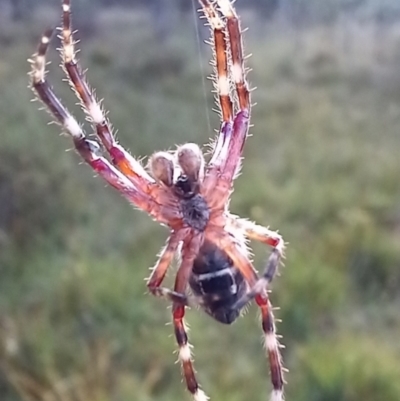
(184,193)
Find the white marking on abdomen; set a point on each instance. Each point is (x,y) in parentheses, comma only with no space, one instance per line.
(218,273)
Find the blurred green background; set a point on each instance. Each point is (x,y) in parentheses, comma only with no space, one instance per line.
(322,166)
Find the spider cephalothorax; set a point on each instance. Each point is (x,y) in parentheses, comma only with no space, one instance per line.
(185,193)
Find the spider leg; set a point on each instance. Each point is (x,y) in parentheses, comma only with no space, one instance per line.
(179,298)
(88,149)
(231,158)
(160,269)
(225,161)
(190,250)
(268,237)
(119,156)
(237,253)
(173,296)
(221,78)
(236,48)
(222,85)
(272,346)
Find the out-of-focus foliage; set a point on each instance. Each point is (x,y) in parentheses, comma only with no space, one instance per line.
(322,166)
(297,11)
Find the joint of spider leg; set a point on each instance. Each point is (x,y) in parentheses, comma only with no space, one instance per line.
(88,148)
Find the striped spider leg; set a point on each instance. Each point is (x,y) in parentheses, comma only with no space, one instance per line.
(88,149)
(225,164)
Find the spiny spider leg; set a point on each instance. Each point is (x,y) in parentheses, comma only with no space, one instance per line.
(268,237)
(241,122)
(221,80)
(272,346)
(221,59)
(189,252)
(119,156)
(242,262)
(165,259)
(236,47)
(236,252)
(88,149)
(262,283)
(220,77)
(225,160)
(175,297)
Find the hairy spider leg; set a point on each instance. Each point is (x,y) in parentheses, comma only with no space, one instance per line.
(160,269)
(235,250)
(268,237)
(220,60)
(258,291)
(236,48)
(190,250)
(221,82)
(220,77)
(88,149)
(231,158)
(119,156)
(225,161)
(272,346)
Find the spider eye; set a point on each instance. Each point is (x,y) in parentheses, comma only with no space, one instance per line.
(162,167)
(191,160)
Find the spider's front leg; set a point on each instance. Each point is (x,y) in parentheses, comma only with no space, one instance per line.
(89,150)
(225,161)
(120,158)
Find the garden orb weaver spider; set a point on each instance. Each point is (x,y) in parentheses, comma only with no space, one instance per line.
(184,193)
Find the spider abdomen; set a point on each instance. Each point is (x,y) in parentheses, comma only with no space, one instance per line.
(217,283)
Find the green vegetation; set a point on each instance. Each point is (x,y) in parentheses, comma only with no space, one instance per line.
(322,166)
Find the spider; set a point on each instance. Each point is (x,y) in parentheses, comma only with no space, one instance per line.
(184,192)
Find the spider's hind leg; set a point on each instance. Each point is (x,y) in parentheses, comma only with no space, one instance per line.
(268,237)
(242,262)
(259,293)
